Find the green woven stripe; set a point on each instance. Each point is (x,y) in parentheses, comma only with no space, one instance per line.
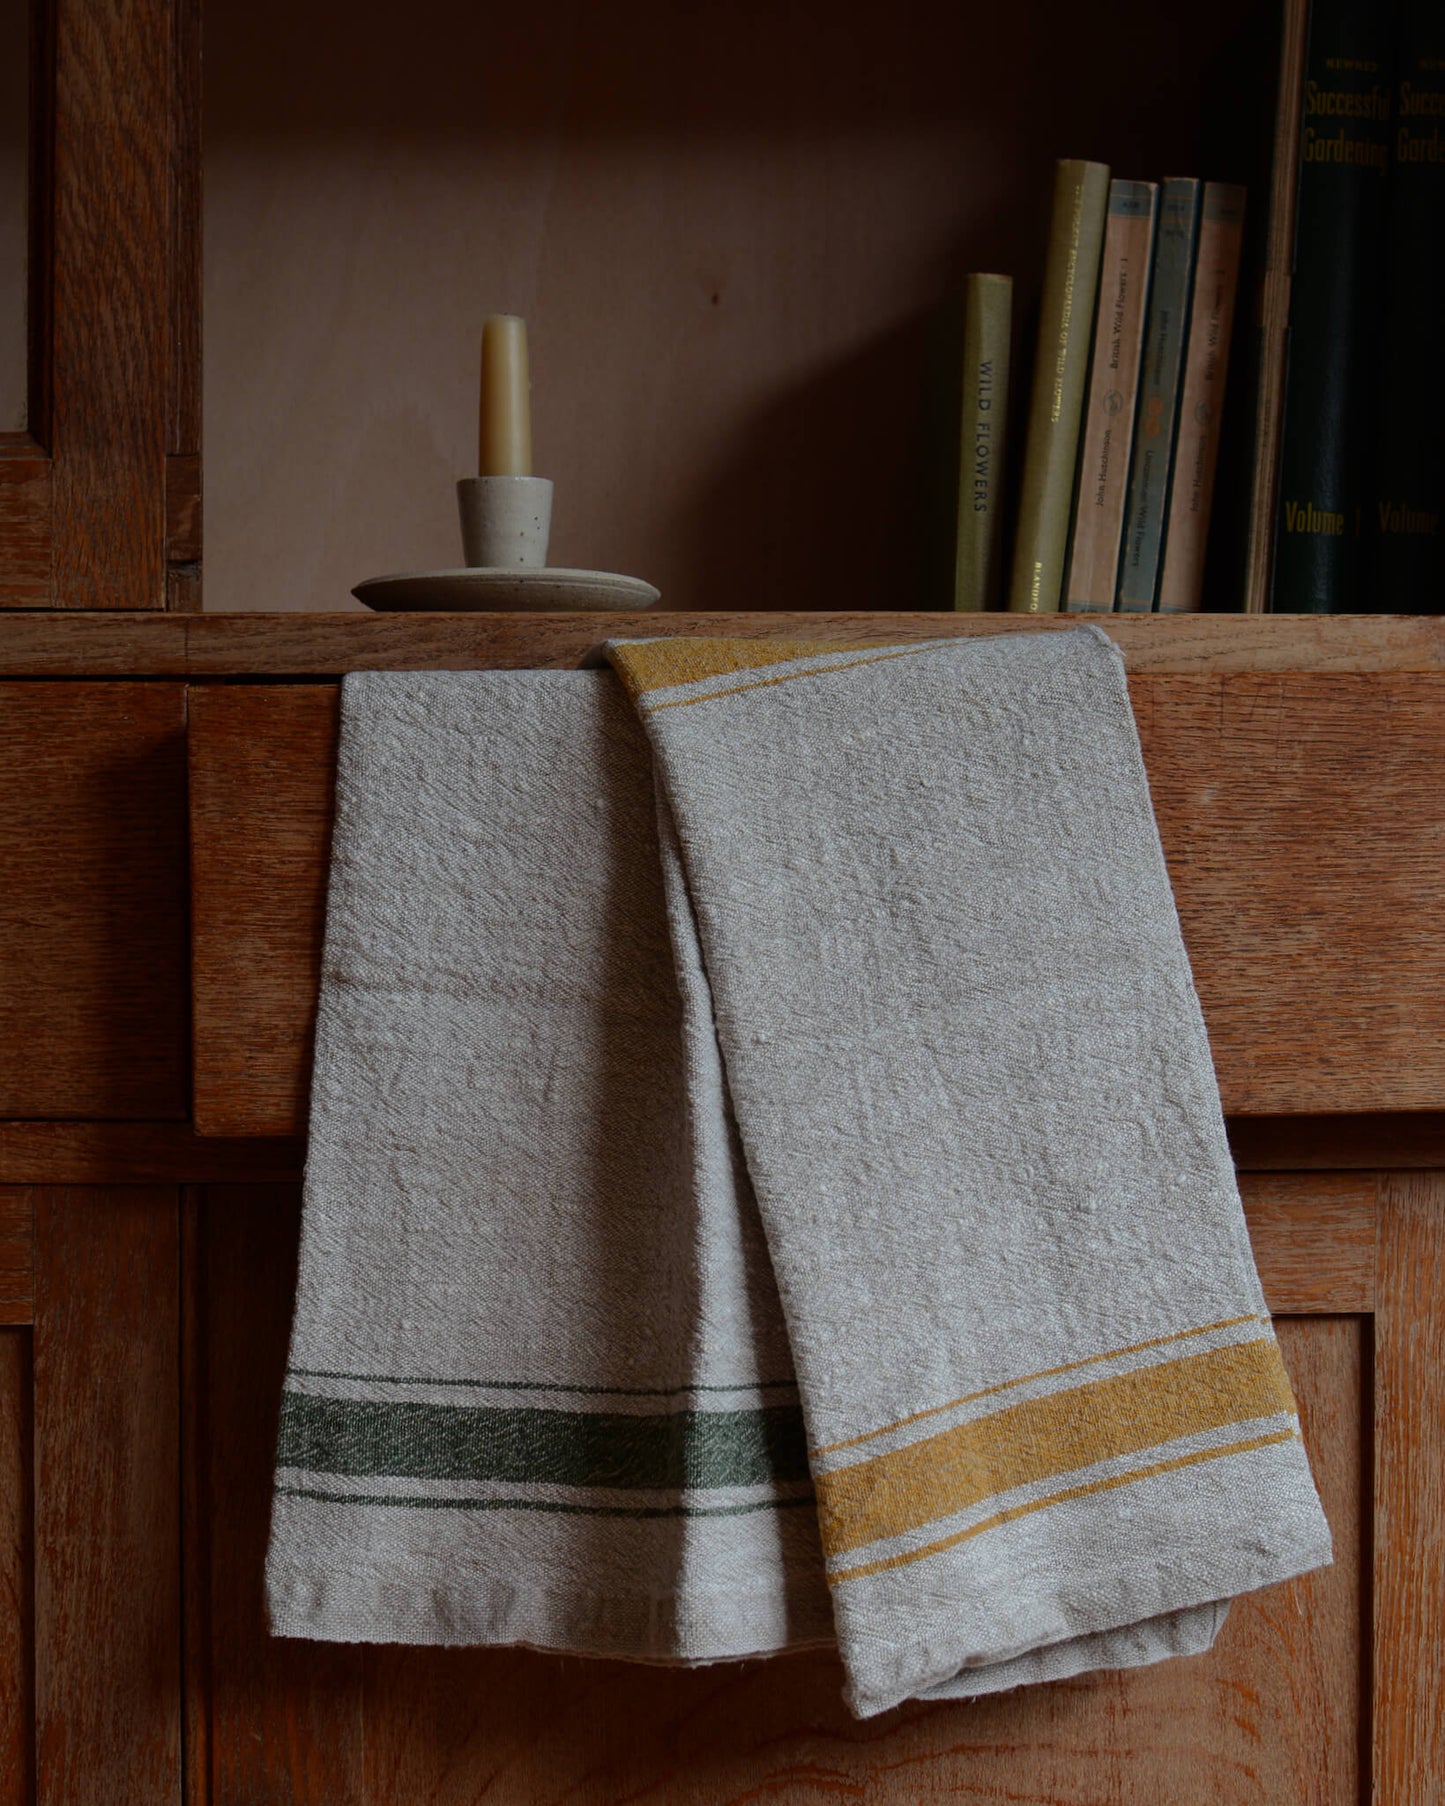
(426,1379)
(669,1451)
(423,1502)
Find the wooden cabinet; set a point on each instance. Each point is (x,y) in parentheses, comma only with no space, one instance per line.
(165,794)
(149,1218)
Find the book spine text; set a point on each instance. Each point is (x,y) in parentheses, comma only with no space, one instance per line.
(988,308)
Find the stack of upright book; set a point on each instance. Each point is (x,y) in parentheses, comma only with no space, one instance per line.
(1123,430)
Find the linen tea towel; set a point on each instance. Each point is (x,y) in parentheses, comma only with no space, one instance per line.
(539,1389)
(977,1106)
(974,1099)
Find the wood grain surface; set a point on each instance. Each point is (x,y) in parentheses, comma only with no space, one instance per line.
(253,749)
(93,903)
(110,291)
(183,508)
(25,520)
(17,1253)
(195,1504)
(138,1153)
(107,1543)
(1271,1717)
(171,1153)
(184,233)
(1303,817)
(285,1718)
(1409,1529)
(17,1617)
(1314,1239)
(326,645)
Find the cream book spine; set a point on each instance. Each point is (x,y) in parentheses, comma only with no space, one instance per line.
(1093,569)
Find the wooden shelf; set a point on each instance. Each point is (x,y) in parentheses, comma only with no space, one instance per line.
(328,645)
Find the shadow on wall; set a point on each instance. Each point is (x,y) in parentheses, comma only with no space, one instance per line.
(734,231)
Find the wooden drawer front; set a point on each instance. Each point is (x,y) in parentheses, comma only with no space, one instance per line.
(1303,817)
(1304,822)
(262,767)
(92,900)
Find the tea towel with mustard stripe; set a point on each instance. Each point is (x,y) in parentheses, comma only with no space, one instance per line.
(962,1072)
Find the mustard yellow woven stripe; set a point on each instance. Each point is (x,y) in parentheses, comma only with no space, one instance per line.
(1022,1444)
(659,664)
(1044,1373)
(1217,1453)
(868,656)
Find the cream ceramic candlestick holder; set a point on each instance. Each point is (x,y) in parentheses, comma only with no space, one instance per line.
(507,513)
(506,522)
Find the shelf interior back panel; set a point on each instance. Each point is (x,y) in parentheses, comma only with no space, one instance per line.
(738,234)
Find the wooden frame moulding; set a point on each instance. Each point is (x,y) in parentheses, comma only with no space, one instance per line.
(258,646)
(172,1153)
(99,498)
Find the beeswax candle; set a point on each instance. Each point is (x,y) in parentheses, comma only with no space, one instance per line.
(505,436)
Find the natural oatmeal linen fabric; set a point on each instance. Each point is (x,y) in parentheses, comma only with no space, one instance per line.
(1045,1414)
(539,1388)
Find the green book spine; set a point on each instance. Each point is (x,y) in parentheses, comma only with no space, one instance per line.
(1051,446)
(1334,302)
(1164,336)
(1201,398)
(987,324)
(1113,389)
(1405,530)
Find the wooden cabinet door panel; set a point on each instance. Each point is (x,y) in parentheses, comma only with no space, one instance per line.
(93,900)
(90,1572)
(1272,1716)
(104,487)
(107,1581)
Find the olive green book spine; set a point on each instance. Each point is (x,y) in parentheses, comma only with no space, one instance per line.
(987,330)
(1201,404)
(1164,336)
(1056,402)
(1098,528)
